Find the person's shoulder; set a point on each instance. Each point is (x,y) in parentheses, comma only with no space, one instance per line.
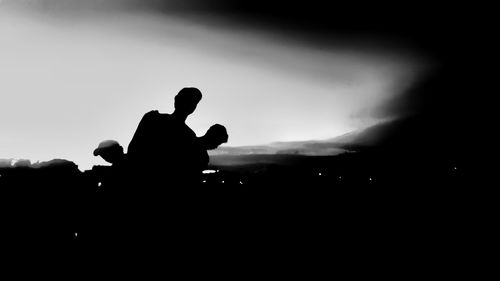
(165,117)
(152,113)
(99,169)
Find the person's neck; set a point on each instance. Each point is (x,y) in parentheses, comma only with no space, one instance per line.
(181,117)
(202,141)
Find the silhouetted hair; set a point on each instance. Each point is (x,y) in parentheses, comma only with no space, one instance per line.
(188,95)
(215,136)
(110,150)
(186,100)
(217,131)
(108,146)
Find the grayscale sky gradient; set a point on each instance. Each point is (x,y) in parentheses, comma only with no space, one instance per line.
(73,74)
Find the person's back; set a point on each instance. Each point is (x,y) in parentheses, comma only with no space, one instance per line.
(172,159)
(161,142)
(147,152)
(144,142)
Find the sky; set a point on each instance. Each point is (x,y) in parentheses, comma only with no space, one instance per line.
(73,74)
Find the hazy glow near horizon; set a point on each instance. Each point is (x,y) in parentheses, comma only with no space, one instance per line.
(68,83)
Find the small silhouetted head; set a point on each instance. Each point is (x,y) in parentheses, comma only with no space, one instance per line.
(186,100)
(111,151)
(215,136)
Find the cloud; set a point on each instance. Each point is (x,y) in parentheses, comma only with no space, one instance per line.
(431,118)
(108,5)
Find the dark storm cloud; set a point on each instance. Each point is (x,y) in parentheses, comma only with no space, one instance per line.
(110,5)
(420,24)
(385,25)
(432,117)
(317,22)
(425,27)
(425,94)
(436,112)
(418,21)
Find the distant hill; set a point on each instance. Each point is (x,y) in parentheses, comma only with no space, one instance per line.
(310,148)
(5,163)
(353,141)
(385,135)
(255,160)
(25,163)
(371,137)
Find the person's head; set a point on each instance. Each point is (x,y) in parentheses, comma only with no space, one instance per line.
(215,136)
(186,101)
(111,151)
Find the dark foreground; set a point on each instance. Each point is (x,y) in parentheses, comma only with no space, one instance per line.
(322,213)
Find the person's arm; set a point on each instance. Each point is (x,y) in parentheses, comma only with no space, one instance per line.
(202,154)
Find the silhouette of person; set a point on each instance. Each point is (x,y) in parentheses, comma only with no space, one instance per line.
(112,152)
(197,212)
(213,138)
(160,148)
(105,183)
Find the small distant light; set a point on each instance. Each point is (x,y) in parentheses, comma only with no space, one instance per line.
(241,182)
(340,177)
(455,168)
(222,181)
(204,181)
(99,184)
(209,171)
(76,234)
(319,174)
(370,179)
